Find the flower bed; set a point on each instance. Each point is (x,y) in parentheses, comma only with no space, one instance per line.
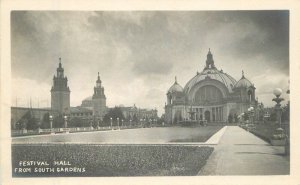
(115,160)
(268,132)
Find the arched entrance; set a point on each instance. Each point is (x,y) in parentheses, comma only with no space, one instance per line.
(207,116)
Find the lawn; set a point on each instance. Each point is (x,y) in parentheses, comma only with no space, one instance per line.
(112,160)
(202,136)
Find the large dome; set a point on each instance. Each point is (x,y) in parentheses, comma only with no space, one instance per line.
(243,82)
(175,87)
(214,74)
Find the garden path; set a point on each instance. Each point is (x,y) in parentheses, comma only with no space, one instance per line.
(242,153)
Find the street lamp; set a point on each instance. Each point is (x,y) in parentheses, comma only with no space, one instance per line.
(66,123)
(111,123)
(51,120)
(91,124)
(122,122)
(118,123)
(277,92)
(98,124)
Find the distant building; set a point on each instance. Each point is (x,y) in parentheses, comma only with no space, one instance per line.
(91,108)
(81,112)
(60,92)
(211,95)
(135,113)
(97,102)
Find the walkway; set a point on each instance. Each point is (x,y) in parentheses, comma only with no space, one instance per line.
(241,153)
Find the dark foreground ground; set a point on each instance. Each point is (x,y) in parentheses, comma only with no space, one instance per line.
(59,160)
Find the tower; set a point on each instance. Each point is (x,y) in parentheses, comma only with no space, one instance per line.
(209,60)
(99,100)
(60,92)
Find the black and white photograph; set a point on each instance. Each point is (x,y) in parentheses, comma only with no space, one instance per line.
(149,93)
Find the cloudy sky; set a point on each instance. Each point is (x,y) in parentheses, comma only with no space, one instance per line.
(139,53)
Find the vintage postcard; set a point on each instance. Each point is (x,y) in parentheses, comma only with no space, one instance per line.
(137,93)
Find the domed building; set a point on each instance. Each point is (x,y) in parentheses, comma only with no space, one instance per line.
(211,95)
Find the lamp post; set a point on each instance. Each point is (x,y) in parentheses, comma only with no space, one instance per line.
(118,123)
(66,123)
(98,124)
(51,120)
(111,123)
(91,124)
(251,112)
(122,123)
(277,92)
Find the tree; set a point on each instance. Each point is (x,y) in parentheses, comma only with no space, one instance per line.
(135,119)
(230,118)
(30,122)
(175,120)
(113,113)
(285,117)
(58,121)
(235,118)
(246,116)
(23,123)
(273,116)
(75,122)
(46,121)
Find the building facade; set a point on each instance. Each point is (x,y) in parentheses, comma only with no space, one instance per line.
(81,112)
(211,95)
(60,92)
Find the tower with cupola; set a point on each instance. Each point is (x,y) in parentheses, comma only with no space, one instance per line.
(60,92)
(99,100)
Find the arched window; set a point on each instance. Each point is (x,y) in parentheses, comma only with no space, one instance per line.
(208,94)
(250,95)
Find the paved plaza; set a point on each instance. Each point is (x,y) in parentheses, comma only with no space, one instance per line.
(241,153)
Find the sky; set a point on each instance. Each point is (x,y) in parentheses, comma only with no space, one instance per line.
(139,53)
